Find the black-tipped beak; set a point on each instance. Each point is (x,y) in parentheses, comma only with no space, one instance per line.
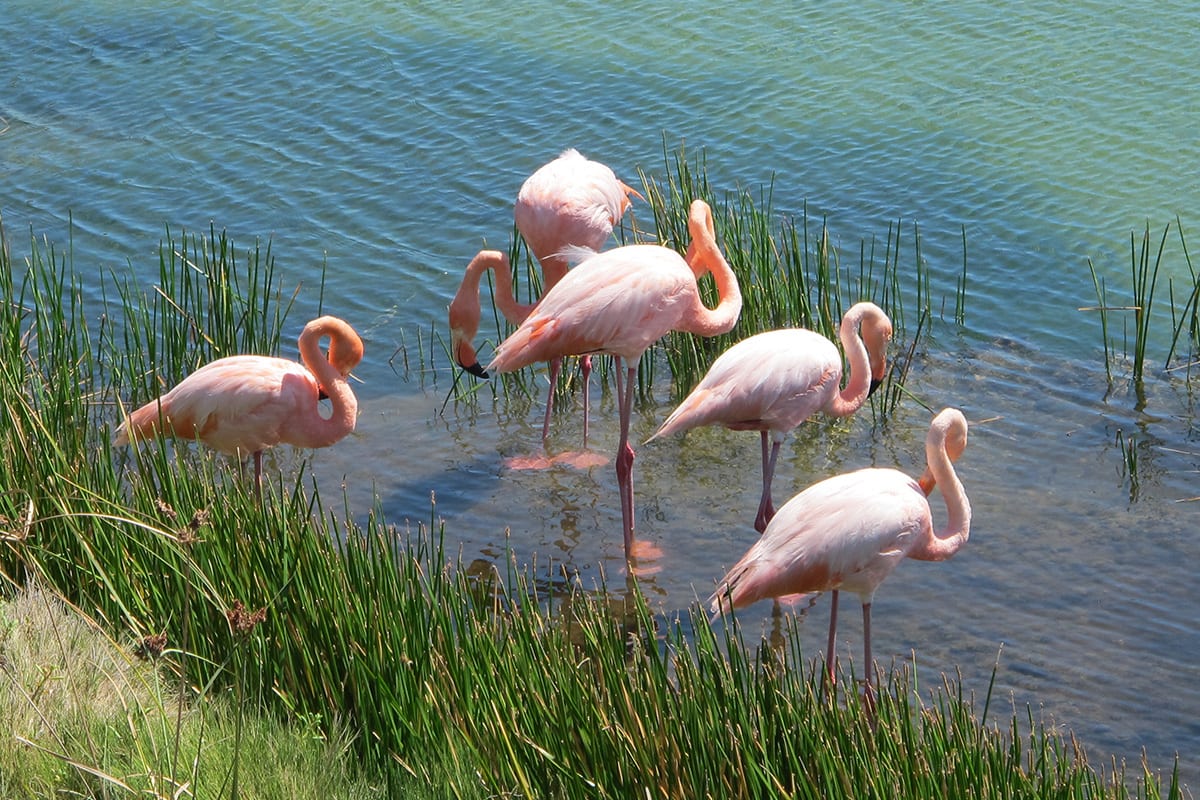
(477,370)
(875,382)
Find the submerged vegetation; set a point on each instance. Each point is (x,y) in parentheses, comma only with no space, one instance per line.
(294,618)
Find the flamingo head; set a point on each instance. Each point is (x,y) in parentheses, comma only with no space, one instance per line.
(704,238)
(876,333)
(626,202)
(463,350)
(955,443)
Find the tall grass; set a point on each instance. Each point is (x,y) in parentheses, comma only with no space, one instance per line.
(454,683)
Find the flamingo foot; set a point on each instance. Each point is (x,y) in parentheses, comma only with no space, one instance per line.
(807,599)
(539,461)
(576,460)
(580,460)
(642,549)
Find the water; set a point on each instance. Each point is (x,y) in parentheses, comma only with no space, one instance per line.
(387,143)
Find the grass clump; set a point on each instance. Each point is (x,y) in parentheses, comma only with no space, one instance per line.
(449,681)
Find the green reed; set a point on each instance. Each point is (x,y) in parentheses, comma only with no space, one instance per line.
(1189,315)
(1146,259)
(1128,446)
(454,683)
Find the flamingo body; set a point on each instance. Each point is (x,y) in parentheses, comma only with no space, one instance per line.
(846,532)
(620,302)
(241,405)
(569,202)
(773,381)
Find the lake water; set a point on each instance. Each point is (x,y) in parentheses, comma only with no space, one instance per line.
(388,141)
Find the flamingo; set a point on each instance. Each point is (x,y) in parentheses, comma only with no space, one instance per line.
(850,531)
(567,204)
(244,404)
(622,301)
(773,381)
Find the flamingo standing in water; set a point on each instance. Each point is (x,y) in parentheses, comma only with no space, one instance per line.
(242,405)
(567,204)
(621,302)
(773,381)
(850,531)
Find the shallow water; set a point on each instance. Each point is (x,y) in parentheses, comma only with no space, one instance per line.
(388,143)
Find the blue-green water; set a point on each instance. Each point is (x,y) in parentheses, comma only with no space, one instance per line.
(387,142)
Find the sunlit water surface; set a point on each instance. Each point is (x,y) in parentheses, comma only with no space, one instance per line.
(387,143)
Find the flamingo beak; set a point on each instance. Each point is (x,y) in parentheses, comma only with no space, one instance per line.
(875,384)
(464,354)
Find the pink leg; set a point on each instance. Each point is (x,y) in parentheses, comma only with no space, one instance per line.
(625,453)
(258,472)
(585,367)
(830,653)
(766,507)
(555,368)
(869,669)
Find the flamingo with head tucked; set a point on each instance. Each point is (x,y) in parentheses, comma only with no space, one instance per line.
(850,531)
(773,381)
(620,302)
(241,405)
(568,204)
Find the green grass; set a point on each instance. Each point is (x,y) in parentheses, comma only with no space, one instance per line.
(443,681)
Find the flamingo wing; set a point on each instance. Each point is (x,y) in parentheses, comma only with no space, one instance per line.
(620,301)
(234,404)
(770,381)
(846,532)
(570,201)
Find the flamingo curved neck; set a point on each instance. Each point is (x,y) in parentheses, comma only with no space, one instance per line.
(503,296)
(703,255)
(851,397)
(345,348)
(947,541)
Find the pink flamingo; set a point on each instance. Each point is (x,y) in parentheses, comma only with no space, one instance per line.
(850,531)
(571,202)
(773,381)
(244,404)
(621,302)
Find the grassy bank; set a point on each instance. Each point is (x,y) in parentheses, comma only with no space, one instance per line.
(294,617)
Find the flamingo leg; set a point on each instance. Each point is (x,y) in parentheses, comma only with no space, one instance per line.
(766,507)
(585,367)
(258,456)
(625,453)
(555,368)
(830,654)
(869,669)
